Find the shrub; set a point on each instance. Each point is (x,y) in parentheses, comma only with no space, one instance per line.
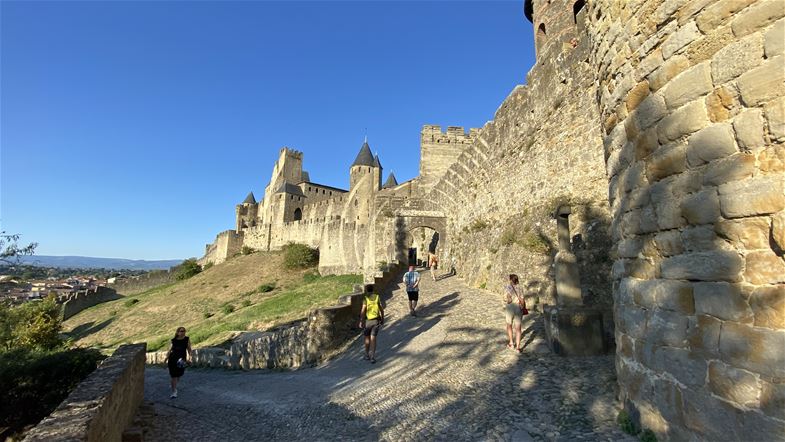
(533,242)
(187,269)
(228,308)
(206,315)
(299,256)
(245,303)
(266,287)
(247,250)
(113,313)
(483,285)
(648,436)
(34,325)
(34,382)
(207,266)
(130,302)
(625,423)
(381,266)
(508,237)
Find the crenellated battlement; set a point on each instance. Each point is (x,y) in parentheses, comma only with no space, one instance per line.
(454,134)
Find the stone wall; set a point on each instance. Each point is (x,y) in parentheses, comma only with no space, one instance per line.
(692,100)
(75,303)
(101,406)
(227,244)
(438,151)
(542,150)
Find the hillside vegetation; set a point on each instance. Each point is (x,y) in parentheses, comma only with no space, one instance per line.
(249,292)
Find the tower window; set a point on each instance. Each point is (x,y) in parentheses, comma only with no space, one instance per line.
(577,8)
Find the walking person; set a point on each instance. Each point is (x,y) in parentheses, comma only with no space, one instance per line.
(514,307)
(177,357)
(433,262)
(412,281)
(371,319)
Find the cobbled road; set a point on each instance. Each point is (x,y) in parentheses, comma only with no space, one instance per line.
(443,375)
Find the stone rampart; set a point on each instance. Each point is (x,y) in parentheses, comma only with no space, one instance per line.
(101,406)
(141,283)
(692,100)
(75,303)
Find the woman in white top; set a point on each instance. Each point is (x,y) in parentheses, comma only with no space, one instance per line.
(513,312)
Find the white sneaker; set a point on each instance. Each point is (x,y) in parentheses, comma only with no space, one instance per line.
(174,394)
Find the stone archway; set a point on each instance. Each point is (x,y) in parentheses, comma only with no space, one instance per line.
(427,232)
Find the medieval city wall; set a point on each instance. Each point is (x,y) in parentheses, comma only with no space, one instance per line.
(542,150)
(692,99)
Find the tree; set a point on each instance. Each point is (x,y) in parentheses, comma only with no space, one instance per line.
(187,269)
(10,251)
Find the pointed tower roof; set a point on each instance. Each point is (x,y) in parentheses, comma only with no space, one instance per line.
(290,188)
(376,162)
(249,199)
(364,157)
(391,181)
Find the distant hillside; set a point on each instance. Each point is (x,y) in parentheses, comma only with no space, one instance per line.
(86,262)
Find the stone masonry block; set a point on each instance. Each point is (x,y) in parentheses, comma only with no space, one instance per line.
(719,103)
(747,233)
(702,207)
(636,95)
(667,328)
(778,230)
(721,300)
(710,143)
(775,115)
(753,348)
(649,64)
(720,265)
(772,159)
(719,12)
(666,161)
(768,306)
(679,39)
(670,69)
(737,58)
(733,168)
(646,143)
(629,247)
(757,196)
(749,128)
(736,385)
(650,111)
(675,296)
(668,212)
(764,267)
(686,367)
(757,16)
(691,8)
(772,399)
(633,321)
(688,86)
(684,121)
(764,83)
(704,335)
(703,239)
(775,39)
(669,243)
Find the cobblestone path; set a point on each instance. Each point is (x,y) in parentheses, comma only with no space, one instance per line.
(444,375)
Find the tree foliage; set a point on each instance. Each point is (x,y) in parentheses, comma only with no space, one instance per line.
(11,251)
(33,325)
(187,269)
(300,256)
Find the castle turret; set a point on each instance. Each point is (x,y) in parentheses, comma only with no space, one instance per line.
(556,22)
(439,150)
(365,164)
(246,213)
(391,181)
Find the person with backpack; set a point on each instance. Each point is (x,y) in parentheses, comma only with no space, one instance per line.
(514,309)
(371,319)
(412,281)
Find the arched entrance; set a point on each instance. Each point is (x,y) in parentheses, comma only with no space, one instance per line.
(417,235)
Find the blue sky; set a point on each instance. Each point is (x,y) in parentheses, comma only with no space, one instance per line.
(131,129)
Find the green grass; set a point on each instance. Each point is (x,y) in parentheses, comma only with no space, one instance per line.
(263,293)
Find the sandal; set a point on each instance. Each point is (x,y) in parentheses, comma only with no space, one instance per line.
(510,346)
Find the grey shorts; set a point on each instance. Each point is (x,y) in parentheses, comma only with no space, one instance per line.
(372,327)
(513,314)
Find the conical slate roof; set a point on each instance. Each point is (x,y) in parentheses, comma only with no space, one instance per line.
(249,199)
(391,181)
(364,157)
(376,162)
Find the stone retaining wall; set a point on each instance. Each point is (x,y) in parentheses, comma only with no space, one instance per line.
(77,302)
(101,406)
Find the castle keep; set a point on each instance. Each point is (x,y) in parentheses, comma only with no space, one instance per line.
(640,173)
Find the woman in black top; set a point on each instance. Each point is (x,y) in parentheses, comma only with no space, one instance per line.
(176,357)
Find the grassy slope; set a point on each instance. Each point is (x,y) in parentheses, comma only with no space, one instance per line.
(161,310)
